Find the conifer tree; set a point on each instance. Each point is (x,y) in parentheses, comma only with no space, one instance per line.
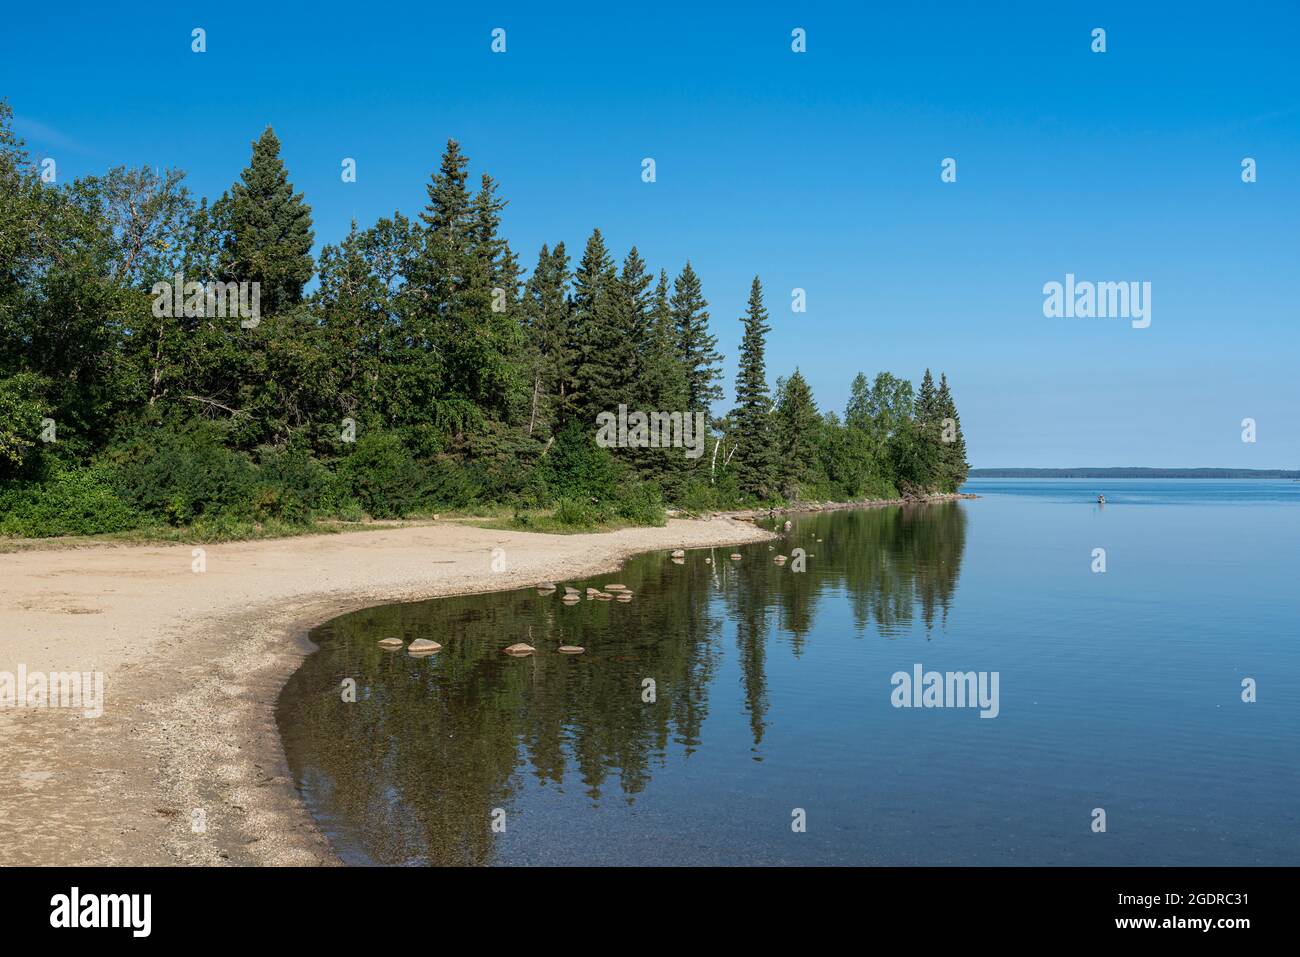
(927,410)
(664,383)
(953,455)
(549,349)
(635,310)
(797,425)
(755,457)
(268,230)
(602,352)
(696,347)
(451,296)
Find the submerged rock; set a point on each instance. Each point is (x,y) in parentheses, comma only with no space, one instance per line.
(390,642)
(520,649)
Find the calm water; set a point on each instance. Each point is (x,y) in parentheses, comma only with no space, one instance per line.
(1119,691)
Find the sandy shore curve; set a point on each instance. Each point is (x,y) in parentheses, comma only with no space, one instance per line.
(185,765)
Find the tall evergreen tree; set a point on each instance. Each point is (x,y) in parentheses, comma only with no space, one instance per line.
(549,348)
(696,347)
(663,383)
(603,353)
(927,409)
(755,457)
(268,230)
(797,426)
(452,277)
(953,456)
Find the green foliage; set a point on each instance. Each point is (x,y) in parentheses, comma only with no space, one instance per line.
(914,458)
(74,502)
(463,386)
(383,476)
(181,474)
(20,423)
(577,468)
(755,458)
(268,230)
(642,504)
(579,513)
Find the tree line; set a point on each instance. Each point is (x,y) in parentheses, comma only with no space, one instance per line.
(426,369)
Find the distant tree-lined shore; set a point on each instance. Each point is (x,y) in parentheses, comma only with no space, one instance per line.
(1122,473)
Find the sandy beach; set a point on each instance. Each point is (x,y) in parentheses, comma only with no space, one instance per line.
(193,662)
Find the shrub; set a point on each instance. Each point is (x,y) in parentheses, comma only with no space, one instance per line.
(181,474)
(292,487)
(642,504)
(383,476)
(577,467)
(576,512)
(73,502)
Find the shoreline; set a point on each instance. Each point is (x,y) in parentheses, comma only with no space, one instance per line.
(194,665)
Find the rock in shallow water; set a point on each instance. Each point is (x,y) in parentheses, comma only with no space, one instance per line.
(571,649)
(390,642)
(520,649)
(423,646)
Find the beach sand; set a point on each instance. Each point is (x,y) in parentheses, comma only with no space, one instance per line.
(193,663)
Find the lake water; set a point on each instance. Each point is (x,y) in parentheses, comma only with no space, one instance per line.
(774,696)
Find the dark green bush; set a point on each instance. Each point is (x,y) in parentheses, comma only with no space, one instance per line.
(74,502)
(293,487)
(179,475)
(576,467)
(383,476)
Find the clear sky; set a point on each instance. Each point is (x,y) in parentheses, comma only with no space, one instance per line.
(818,170)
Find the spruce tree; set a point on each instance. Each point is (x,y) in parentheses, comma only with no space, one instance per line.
(953,453)
(602,353)
(663,383)
(549,349)
(755,457)
(452,278)
(635,309)
(927,410)
(268,230)
(798,426)
(697,349)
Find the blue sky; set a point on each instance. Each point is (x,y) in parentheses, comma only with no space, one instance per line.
(816,170)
